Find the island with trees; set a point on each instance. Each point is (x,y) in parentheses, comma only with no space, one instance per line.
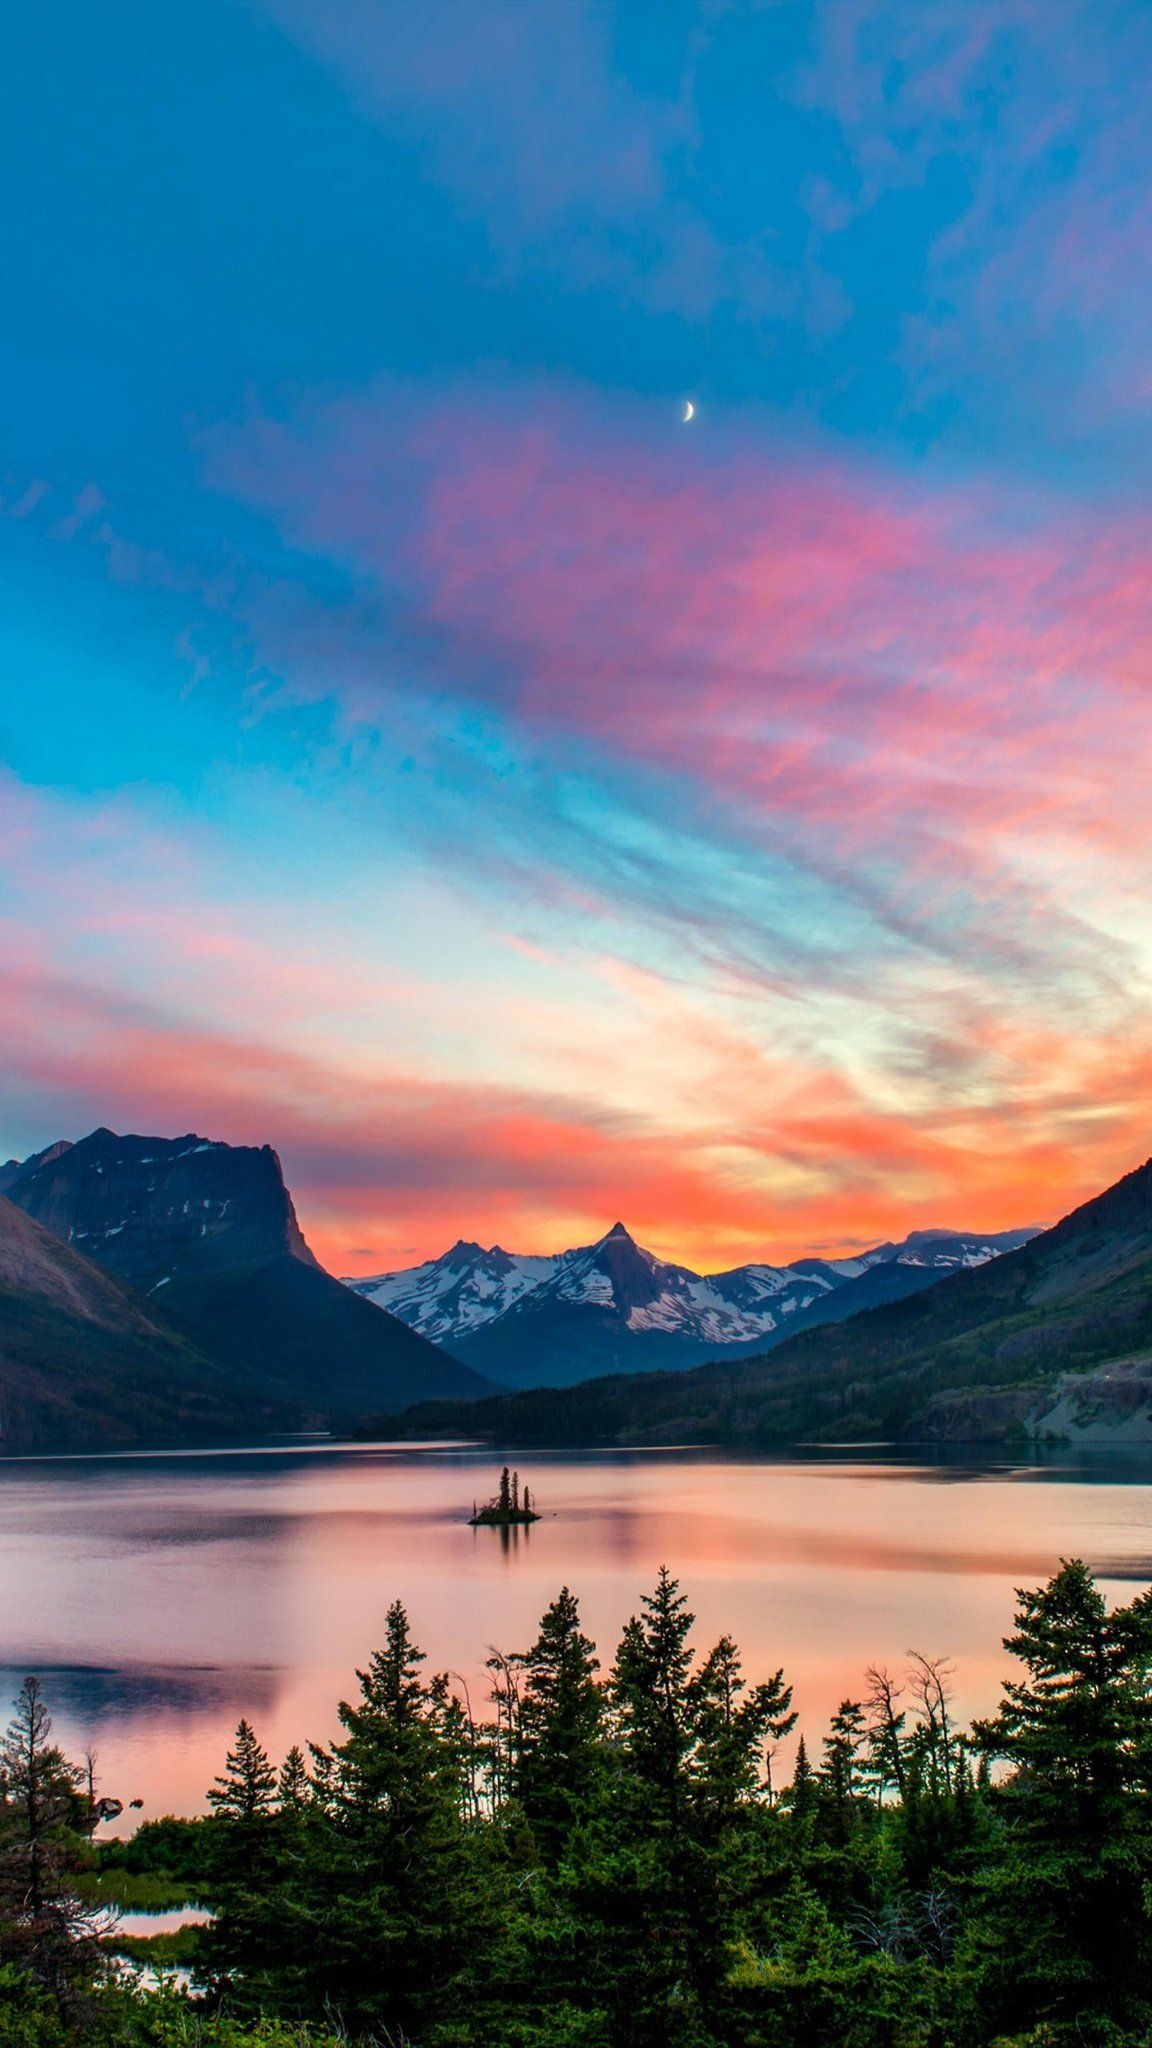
(508,1507)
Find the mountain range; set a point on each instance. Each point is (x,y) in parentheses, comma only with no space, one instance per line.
(202,1241)
(160,1289)
(611,1306)
(1051,1340)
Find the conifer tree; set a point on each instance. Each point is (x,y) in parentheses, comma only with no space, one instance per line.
(242,1799)
(734,1728)
(884,1766)
(292,1787)
(247,1789)
(840,1774)
(560,1726)
(43,1844)
(803,1795)
(1070,1933)
(647,1874)
(386,1917)
(653,1702)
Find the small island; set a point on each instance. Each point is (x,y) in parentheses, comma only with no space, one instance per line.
(508,1507)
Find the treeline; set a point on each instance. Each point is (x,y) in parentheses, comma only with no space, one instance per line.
(608,1859)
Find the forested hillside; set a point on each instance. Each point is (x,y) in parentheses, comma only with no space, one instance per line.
(1060,1328)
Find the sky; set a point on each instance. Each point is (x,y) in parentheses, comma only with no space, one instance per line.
(426,752)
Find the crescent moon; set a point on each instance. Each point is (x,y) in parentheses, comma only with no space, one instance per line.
(689,411)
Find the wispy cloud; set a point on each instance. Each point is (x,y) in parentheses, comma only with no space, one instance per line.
(926,698)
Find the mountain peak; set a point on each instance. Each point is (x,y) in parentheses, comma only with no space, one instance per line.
(12,1168)
(149,1209)
(610,1306)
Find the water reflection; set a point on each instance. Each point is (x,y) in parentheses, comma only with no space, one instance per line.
(93,1694)
(160,1598)
(509,1534)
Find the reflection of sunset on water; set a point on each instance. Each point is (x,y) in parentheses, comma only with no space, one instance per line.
(161,1598)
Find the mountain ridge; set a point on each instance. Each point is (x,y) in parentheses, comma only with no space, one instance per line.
(208,1232)
(1052,1338)
(556,1318)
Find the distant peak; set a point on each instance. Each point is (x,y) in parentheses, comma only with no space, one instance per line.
(618,1230)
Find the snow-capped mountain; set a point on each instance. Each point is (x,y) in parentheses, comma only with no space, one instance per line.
(449,1297)
(613,1307)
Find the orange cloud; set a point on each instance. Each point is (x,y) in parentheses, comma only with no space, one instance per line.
(389,1166)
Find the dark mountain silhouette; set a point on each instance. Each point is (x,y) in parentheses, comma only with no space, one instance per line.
(207,1233)
(84,1360)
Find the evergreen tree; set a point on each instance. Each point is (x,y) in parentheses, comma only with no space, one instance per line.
(840,1776)
(734,1729)
(498,1744)
(292,1787)
(247,1790)
(1067,1931)
(244,1844)
(44,1824)
(803,1796)
(653,1703)
(644,1879)
(561,1714)
(884,1765)
(387,1919)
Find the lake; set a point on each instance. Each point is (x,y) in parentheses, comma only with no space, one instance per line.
(160,1597)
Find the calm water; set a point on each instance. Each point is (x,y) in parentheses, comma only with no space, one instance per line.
(159,1598)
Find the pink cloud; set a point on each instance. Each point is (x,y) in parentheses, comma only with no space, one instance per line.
(893,671)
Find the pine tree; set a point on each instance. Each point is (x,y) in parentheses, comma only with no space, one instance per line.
(386,1915)
(247,1789)
(735,1727)
(646,1875)
(292,1788)
(243,1799)
(1068,1916)
(44,1819)
(653,1703)
(884,1767)
(840,1774)
(803,1795)
(560,1726)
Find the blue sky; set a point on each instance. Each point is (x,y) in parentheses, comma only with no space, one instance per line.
(424,751)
